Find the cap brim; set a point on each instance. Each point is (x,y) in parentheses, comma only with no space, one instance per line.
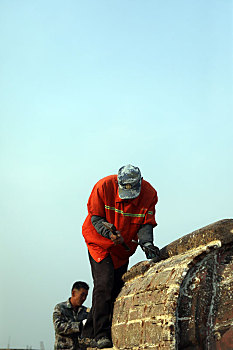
(131,193)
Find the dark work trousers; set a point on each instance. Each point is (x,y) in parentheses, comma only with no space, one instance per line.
(107,285)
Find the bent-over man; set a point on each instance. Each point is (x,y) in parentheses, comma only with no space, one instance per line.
(128,202)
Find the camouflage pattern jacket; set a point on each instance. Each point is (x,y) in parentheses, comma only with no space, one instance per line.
(68,325)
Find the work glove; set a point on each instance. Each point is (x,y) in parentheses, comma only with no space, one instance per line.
(151,251)
(116,238)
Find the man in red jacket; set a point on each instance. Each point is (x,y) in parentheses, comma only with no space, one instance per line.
(128,202)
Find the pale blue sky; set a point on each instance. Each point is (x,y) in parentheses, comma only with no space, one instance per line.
(89,86)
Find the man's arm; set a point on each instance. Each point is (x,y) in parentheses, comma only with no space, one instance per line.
(97,222)
(145,236)
(62,325)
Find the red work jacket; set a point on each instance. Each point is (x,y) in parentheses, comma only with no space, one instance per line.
(126,215)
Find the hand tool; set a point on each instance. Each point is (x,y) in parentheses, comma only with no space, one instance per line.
(113,229)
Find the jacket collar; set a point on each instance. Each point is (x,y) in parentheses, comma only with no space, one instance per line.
(68,304)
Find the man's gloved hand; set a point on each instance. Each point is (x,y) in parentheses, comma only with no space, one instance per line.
(151,251)
(117,238)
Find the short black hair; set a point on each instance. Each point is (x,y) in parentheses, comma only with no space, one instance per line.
(79,284)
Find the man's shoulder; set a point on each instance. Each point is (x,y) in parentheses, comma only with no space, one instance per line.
(148,188)
(148,194)
(62,305)
(108,180)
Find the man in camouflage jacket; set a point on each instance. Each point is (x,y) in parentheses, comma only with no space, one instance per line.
(68,318)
